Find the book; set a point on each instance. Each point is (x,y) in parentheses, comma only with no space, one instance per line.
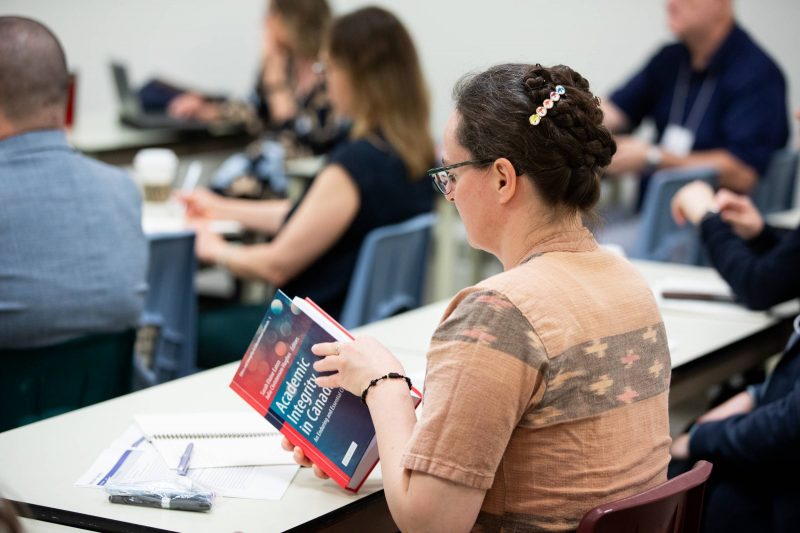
(276,377)
(221,439)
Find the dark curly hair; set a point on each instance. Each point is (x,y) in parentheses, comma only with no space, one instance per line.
(563,155)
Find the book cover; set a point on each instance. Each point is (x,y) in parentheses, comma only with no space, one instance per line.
(276,377)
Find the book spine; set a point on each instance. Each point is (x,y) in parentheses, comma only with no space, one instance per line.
(358,487)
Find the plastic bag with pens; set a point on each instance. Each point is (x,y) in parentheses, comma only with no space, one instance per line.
(258,173)
(180,493)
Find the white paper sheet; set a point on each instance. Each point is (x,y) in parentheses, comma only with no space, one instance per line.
(131,459)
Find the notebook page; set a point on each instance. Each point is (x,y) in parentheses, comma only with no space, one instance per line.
(235,438)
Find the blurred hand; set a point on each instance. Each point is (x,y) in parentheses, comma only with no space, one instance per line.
(631,155)
(739,404)
(680,447)
(201,204)
(355,363)
(797,116)
(300,458)
(208,245)
(691,202)
(192,105)
(275,55)
(740,213)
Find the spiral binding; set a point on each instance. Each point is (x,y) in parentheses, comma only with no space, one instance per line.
(197,436)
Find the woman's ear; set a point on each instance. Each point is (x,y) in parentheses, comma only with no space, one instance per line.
(505,179)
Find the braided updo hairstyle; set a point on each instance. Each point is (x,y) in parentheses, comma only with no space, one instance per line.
(563,155)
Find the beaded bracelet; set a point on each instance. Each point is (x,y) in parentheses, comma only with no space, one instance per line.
(390,375)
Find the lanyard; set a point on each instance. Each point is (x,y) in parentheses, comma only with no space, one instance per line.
(700,104)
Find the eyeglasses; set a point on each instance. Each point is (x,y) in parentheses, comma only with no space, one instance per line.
(443,179)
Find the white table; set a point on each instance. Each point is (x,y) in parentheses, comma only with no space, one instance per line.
(788,219)
(103,137)
(170,217)
(40,462)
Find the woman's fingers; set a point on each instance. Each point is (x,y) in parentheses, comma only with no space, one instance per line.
(328,364)
(319,473)
(324,349)
(329,382)
(300,458)
(727,200)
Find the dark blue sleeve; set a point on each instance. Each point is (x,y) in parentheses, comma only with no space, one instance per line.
(769,434)
(766,240)
(758,281)
(755,122)
(636,98)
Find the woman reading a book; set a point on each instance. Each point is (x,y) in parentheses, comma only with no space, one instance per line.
(373,179)
(546,386)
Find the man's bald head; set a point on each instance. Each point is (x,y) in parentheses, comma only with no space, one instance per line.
(33,75)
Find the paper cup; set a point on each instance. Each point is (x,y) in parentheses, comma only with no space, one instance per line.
(155,170)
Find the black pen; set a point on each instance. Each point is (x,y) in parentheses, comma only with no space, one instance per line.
(193,503)
(700,296)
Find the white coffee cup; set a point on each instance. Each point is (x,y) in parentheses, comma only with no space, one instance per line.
(155,169)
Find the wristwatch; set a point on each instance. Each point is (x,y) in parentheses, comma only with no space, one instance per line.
(653,157)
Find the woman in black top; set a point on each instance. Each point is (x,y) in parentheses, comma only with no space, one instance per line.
(373,179)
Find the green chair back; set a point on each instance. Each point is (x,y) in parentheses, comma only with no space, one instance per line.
(224,334)
(38,383)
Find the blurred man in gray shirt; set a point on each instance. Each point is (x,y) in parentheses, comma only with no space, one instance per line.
(73,258)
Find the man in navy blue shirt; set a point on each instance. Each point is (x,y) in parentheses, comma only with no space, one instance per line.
(716,98)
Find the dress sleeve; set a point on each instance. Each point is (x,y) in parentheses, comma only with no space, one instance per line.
(485,369)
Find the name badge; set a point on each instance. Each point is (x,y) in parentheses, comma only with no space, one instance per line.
(677,140)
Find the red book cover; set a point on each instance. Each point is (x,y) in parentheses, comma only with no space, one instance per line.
(276,377)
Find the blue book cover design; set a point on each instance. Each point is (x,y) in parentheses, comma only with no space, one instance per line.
(278,369)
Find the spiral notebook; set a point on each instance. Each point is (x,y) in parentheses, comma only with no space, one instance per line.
(235,438)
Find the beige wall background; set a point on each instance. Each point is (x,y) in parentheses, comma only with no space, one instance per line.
(213,45)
